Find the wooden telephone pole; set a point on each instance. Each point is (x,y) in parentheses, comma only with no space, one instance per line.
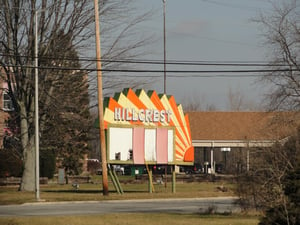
(100,101)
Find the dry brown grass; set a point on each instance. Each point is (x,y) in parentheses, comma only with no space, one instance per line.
(132,219)
(132,190)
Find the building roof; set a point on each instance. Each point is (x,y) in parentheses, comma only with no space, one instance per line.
(242,126)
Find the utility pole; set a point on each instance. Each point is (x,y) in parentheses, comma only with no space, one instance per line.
(165,72)
(100,101)
(165,87)
(36,106)
(165,92)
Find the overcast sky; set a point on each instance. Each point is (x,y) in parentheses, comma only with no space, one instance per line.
(208,30)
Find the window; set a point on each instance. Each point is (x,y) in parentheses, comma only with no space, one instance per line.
(7,103)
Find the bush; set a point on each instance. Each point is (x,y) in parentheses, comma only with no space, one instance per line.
(10,164)
(93,166)
(290,212)
(47,163)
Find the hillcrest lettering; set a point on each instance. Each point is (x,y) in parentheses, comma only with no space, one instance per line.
(142,115)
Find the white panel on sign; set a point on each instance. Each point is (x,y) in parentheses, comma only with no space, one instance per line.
(150,144)
(170,145)
(120,143)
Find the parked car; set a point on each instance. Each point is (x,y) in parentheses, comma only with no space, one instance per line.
(99,171)
(219,168)
(194,169)
(119,169)
(161,169)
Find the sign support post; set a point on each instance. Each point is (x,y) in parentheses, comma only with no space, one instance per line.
(173,179)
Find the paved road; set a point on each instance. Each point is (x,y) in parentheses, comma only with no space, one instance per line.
(123,206)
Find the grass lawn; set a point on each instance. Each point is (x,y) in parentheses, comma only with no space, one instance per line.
(132,190)
(134,219)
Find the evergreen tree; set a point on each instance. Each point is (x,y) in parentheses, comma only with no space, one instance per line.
(66,114)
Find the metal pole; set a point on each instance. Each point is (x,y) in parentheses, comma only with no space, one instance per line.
(173,179)
(165,76)
(100,102)
(212,158)
(248,159)
(36,96)
(165,73)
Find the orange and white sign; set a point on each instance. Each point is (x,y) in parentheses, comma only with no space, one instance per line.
(147,128)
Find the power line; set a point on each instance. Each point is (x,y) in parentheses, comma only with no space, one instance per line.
(160,62)
(231,5)
(191,73)
(200,71)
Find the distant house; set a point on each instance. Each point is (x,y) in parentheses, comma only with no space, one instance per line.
(223,140)
(5,107)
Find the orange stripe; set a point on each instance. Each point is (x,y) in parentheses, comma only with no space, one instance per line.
(180,138)
(156,101)
(113,104)
(177,134)
(178,147)
(179,153)
(175,110)
(135,100)
(188,126)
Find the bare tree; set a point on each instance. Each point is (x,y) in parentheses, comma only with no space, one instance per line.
(281,31)
(238,102)
(235,99)
(75,19)
(264,186)
(197,103)
(193,103)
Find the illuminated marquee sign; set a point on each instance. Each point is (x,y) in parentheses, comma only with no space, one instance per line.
(146,128)
(142,115)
